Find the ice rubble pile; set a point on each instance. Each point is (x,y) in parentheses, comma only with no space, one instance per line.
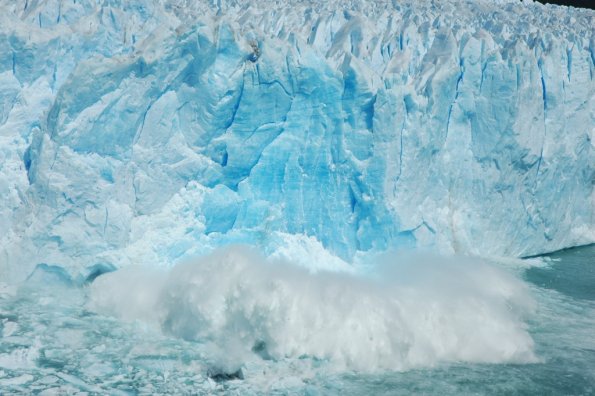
(147,131)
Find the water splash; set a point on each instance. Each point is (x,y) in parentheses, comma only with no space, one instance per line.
(410,311)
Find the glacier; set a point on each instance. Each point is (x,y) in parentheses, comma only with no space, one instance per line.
(135,132)
(296,197)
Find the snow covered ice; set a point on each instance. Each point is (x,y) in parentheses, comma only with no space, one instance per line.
(137,134)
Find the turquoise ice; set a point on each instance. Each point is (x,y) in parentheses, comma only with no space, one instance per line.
(386,162)
(137,132)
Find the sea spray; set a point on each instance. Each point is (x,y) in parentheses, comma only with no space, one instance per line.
(410,311)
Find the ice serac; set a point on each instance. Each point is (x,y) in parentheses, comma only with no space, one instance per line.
(149,131)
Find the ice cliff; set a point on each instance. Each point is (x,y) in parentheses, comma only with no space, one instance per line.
(149,131)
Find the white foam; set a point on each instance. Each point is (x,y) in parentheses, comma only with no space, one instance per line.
(413,311)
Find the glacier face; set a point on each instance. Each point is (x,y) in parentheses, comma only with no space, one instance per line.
(146,132)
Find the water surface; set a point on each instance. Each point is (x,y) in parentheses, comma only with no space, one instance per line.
(53,344)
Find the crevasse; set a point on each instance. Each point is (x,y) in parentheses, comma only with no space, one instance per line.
(140,131)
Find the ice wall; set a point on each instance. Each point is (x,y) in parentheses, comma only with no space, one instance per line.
(148,131)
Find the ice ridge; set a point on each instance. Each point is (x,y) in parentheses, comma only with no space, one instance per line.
(140,131)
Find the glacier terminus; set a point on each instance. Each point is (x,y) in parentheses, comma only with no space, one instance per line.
(139,135)
(150,131)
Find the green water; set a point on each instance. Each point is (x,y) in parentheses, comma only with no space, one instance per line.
(571,272)
(51,344)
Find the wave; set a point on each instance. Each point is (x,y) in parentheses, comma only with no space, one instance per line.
(407,311)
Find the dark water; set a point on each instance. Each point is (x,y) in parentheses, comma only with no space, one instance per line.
(52,344)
